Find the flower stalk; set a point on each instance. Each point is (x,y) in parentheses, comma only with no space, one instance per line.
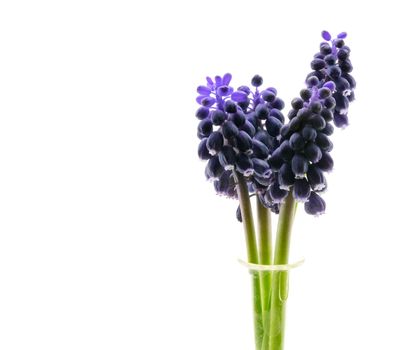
(265,258)
(252,254)
(279,292)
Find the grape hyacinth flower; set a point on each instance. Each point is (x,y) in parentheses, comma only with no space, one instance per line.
(238,130)
(304,152)
(252,150)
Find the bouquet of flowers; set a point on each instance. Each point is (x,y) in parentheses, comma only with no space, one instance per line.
(254,151)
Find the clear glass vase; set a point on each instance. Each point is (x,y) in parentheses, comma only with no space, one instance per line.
(270,286)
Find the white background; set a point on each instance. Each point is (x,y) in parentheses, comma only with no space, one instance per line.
(110,238)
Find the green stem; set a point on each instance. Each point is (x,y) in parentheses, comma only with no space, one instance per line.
(265,258)
(279,292)
(252,254)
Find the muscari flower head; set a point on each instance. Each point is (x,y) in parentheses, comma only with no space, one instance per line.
(238,130)
(304,152)
(244,130)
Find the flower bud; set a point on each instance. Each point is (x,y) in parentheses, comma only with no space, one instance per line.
(257,80)
(342,103)
(248,128)
(202,113)
(261,168)
(278,104)
(229,129)
(326,162)
(299,165)
(218,117)
(328,130)
(244,164)
(301,190)
(264,137)
(239,96)
(297,142)
(214,142)
(315,204)
(275,161)
(227,157)
(221,184)
(230,106)
(286,152)
(324,142)
(243,141)
(213,167)
(273,126)
(205,127)
(315,177)
(268,96)
(297,103)
(309,133)
(260,150)
(203,151)
(317,122)
(238,118)
(341,120)
(203,90)
(277,114)
(262,111)
(276,193)
(317,64)
(286,177)
(312,152)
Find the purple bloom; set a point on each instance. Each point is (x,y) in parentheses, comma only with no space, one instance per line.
(243,130)
(303,154)
(238,131)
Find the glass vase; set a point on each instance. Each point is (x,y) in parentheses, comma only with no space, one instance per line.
(270,286)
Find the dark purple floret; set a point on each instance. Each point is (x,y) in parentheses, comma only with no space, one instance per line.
(243,141)
(244,164)
(278,104)
(218,117)
(326,162)
(302,190)
(214,142)
(205,127)
(341,120)
(227,157)
(260,149)
(312,152)
(261,168)
(315,177)
(257,81)
(286,177)
(315,204)
(213,167)
(202,113)
(276,193)
(203,151)
(299,165)
(229,129)
(249,128)
(273,126)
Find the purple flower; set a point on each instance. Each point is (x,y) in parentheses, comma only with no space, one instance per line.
(303,155)
(238,131)
(243,130)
